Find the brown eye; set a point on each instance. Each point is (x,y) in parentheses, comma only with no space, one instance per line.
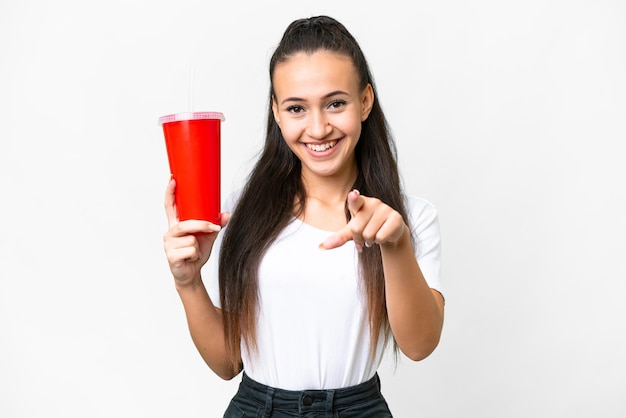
(294,109)
(336,104)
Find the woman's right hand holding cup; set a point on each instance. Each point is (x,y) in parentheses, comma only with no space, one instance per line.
(187,243)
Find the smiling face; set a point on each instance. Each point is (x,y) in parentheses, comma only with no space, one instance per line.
(319,107)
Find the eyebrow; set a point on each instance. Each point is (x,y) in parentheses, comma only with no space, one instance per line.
(298,99)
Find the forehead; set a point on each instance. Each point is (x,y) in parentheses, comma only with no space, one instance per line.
(318,71)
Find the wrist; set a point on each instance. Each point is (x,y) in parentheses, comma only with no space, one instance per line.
(403,240)
(192,284)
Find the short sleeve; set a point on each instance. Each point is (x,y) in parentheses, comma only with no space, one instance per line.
(427,239)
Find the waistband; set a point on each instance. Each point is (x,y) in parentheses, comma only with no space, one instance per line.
(309,400)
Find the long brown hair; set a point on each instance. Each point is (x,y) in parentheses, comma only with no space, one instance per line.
(274,193)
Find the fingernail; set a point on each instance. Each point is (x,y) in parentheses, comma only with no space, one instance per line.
(321,246)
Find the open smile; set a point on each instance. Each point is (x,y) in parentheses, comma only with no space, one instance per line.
(321,147)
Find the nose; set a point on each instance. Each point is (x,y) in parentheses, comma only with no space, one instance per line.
(319,125)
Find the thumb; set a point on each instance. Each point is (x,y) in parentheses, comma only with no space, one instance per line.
(170,203)
(355,202)
(224,218)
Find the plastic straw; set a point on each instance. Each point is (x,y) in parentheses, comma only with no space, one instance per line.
(191,81)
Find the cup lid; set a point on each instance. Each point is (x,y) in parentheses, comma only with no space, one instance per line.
(191,116)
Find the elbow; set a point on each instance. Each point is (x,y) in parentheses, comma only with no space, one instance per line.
(225,371)
(226,376)
(418,355)
(421,351)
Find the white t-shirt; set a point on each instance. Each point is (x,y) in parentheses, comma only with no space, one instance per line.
(313,328)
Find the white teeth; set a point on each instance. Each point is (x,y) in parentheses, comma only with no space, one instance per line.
(321,147)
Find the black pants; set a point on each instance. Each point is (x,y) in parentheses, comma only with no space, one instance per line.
(254,399)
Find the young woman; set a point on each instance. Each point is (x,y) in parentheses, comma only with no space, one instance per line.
(325,259)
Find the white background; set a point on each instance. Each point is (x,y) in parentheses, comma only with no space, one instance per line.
(509,116)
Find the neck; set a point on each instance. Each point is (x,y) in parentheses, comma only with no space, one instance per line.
(329,190)
(325,203)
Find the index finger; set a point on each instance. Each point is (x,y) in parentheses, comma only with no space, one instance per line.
(170,203)
(337,239)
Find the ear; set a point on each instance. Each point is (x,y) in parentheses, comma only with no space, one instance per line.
(275,110)
(367,102)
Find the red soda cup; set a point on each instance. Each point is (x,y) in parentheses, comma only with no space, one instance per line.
(192,141)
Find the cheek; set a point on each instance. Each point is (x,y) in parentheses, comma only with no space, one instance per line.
(351,126)
(291,132)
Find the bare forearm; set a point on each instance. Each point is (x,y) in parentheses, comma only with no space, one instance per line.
(415,310)
(205,326)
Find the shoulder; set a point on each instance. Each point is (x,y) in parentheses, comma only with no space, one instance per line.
(424,223)
(419,209)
